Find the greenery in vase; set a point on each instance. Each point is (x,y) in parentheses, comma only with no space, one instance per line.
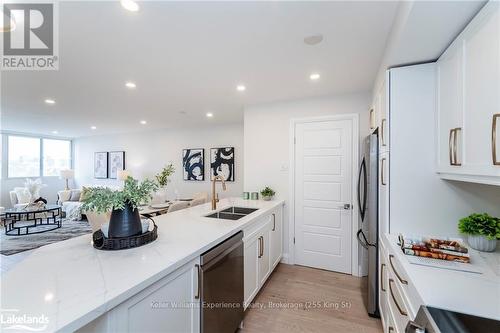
(101,200)
(162,177)
(480,225)
(267,192)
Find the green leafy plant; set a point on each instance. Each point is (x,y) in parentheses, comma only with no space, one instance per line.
(480,224)
(162,177)
(101,200)
(267,192)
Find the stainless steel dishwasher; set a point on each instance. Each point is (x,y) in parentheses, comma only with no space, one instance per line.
(222,286)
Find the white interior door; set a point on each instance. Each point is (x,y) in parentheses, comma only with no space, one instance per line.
(323,185)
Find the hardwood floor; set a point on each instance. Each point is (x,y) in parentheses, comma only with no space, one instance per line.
(339,307)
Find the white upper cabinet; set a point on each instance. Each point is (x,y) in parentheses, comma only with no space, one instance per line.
(379,114)
(450,109)
(469,102)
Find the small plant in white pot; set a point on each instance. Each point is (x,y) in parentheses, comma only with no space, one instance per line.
(267,193)
(163,178)
(482,231)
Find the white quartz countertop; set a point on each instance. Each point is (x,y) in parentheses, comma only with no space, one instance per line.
(471,293)
(71,283)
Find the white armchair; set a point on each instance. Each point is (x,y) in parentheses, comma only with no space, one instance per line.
(19,197)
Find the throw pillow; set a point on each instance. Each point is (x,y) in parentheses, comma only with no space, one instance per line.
(83,194)
(75,195)
(23,195)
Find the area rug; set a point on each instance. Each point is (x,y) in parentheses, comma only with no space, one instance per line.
(14,244)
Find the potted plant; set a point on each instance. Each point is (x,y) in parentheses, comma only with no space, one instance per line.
(163,179)
(482,231)
(267,193)
(125,219)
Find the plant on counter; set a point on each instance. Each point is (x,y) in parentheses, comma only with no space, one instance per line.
(482,231)
(125,220)
(267,193)
(162,177)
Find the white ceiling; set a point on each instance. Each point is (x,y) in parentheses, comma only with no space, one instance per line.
(190,57)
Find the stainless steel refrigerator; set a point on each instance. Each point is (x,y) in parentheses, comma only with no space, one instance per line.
(368,209)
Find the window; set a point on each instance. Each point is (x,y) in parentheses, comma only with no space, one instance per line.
(35,157)
(56,156)
(24,157)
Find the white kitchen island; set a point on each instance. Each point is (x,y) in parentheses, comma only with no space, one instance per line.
(75,286)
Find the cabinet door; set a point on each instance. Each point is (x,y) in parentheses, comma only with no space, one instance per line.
(384,128)
(154,309)
(383,193)
(276,237)
(264,256)
(382,285)
(450,108)
(251,268)
(482,90)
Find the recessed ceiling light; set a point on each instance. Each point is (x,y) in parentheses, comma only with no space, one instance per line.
(93,128)
(313,39)
(50,101)
(130,5)
(55,132)
(130,85)
(241,87)
(210,114)
(143,122)
(314,76)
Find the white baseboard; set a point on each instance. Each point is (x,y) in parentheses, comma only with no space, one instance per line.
(284,258)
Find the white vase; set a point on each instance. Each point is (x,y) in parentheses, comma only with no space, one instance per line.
(160,196)
(481,243)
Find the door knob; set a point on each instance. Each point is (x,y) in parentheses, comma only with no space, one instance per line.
(347,206)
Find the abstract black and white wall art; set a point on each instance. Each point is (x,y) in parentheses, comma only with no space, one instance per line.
(193,164)
(222,163)
(101,165)
(116,163)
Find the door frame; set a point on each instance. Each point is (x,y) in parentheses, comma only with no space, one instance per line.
(354,117)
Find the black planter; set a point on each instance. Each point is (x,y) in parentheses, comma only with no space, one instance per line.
(125,222)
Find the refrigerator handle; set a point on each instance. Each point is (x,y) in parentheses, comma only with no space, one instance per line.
(362,205)
(364,242)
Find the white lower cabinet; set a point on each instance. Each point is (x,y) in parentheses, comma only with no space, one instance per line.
(398,303)
(169,305)
(276,238)
(263,251)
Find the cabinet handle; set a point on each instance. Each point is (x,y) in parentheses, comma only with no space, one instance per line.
(274,222)
(371,119)
(395,271)
(382,277)
(382,172)
(455,154)
(391,329)
(382,131)
(494,139)
(198,272)
(403,313)
(261,245)
(450,146)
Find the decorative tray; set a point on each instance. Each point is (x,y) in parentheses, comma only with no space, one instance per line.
(101,242)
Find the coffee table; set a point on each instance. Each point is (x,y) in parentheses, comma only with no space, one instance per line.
(19,222)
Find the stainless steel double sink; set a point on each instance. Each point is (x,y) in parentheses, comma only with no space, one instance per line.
(232,213)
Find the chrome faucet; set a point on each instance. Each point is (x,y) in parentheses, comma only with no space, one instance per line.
(215,197)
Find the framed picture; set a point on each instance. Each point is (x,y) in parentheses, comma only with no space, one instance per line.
(101,165)
(116,163)
(222,163)
(193,164)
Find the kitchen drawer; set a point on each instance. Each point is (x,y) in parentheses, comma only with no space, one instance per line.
(397,302)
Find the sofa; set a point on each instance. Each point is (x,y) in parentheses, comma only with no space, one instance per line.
(20,197)
(70,202)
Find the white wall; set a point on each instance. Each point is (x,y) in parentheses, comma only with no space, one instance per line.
(146,153)
(267,142)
